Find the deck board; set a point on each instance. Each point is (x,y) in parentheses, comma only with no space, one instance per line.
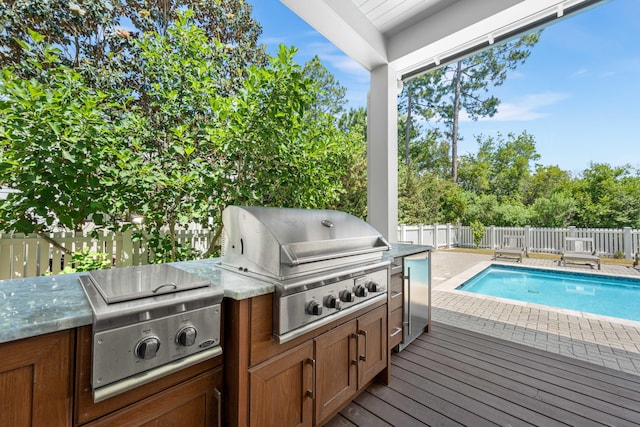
(452,376)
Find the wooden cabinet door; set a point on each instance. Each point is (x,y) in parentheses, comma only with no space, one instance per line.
(194,403)
(336,369)
(372,345)
(35,381)
(281,389)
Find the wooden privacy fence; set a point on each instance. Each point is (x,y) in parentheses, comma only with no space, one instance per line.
(30,255)
(607,242)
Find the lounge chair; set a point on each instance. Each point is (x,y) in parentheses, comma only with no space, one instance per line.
(512,247)
(579,250)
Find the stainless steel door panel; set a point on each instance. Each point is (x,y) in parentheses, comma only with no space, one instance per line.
(417,296)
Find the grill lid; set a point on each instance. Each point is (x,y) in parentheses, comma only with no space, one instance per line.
(125,284)
(285,242)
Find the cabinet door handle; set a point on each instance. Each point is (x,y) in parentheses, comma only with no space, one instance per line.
(395,332)
(363,357)
(312,393)
(218,395)
(357,338)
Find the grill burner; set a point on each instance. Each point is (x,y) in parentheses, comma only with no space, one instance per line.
(324,264)
(149,321)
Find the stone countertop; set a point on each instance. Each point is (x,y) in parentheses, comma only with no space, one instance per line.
(40,305)
(45,304)
(404,249)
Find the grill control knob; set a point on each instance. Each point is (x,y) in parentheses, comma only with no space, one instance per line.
(361,291)
(187,336)
(374,287)
(147,348)
(347,296)
(331,302)
(314,308)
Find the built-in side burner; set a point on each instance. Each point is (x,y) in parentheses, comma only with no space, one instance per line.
(149,321)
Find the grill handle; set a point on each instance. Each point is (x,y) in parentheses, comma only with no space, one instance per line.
(289,257)
(408,299)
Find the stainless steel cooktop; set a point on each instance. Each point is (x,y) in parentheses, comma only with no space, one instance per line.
(125,284)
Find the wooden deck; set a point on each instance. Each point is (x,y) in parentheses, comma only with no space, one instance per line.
(452,376)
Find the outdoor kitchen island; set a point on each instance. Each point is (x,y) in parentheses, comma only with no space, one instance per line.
(45,321)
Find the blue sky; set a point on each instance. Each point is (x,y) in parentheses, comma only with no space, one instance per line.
(578,94)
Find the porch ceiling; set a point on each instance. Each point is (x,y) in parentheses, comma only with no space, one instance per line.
(416,35)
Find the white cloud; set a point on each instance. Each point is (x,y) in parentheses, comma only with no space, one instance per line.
(579,73)
(528,108)
(273,40)
(334,58)
(607,74)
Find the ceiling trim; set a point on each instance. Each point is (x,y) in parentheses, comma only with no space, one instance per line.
(479,37)
(460,29)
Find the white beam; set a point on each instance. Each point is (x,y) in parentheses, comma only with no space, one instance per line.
(382,144)
(344,25)
(465,25)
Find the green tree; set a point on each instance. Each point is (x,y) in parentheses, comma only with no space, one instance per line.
(544,183)
(353,196)
(329,94)
(417,102)
(501,166)
(184,159)
(413,205)
(81,30)
(93,40)
(55,145)
(464,85)
(557,210)
(271,150)
(427,199)
(607,196)
(227,22)
(159,174)
(354,119)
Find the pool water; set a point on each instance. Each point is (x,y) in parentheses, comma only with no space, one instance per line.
(606,295)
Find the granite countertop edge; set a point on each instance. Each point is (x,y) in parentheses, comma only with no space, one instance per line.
(45,304)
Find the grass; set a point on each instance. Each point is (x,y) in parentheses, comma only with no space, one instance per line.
(603,260)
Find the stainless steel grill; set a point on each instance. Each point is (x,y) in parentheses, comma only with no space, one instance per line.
(324,264)
(149,321)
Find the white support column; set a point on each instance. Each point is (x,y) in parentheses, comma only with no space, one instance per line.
(382,144)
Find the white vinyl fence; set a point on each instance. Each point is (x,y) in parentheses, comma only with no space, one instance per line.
(31,255)
(607,242)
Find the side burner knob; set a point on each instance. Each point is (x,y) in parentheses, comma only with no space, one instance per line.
(314,308)
(147,348)
(187,336)
(347,296)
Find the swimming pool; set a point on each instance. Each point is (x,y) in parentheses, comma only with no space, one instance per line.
(606,295)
